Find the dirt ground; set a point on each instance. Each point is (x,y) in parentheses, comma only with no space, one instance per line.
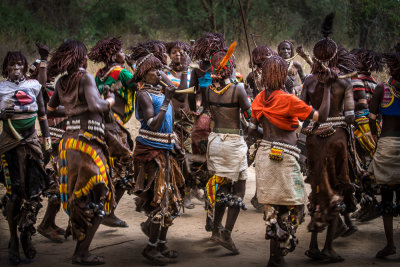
(123,246)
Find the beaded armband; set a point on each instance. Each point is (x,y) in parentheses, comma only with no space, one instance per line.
(247,114)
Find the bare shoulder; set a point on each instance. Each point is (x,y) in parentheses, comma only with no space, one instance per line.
(297,65)
(309,80)
(240,88)
(344,83)
(142,95)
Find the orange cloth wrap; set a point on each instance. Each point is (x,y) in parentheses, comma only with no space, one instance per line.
(281,109)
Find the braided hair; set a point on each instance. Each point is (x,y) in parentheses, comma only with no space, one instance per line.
(274,72)
(227,70)
(325,50)
(153,46)
(367,60)
(208,44)
(144,64)
(392,61)
(104,49)
(260,54)
(179,45)
(68,57)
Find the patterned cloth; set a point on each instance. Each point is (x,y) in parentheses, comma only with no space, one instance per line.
(23,97)
(278,182)
(177,81)
(390,104)
(118,74)
(85,185)
(364,83)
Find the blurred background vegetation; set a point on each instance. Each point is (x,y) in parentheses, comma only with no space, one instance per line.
(373,24)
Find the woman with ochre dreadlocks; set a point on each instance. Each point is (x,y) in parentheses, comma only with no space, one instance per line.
(253,80)
(57,124)
(282,194)
(113,76)
(158,179)
(286,51)
(227,150)
(86,189)
(385,165)
(328,171)
(23,175)
(179,74)
(203,47)
(363,89)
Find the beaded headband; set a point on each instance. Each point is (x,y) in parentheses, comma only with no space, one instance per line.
(325,62)
(143,60)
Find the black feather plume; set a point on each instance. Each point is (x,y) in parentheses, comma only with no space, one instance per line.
(327,25)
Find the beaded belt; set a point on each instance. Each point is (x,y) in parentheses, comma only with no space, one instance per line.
(286,148)
(89,125)
(164,138)
(327,128)
(56,132)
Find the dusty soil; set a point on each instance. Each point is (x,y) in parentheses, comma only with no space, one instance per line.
(123,246)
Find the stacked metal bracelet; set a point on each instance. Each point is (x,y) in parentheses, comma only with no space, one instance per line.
(164,107)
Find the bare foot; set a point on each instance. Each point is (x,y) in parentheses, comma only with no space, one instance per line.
(224,239)
(89,259)
(330,256)
(154,256)
(113,221)
(50,233)
(277,262)
(386,251)
(59,230)
(27,246)
(13,252)
(187,203)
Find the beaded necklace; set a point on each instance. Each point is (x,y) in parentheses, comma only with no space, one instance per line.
(221,91)
(394,87)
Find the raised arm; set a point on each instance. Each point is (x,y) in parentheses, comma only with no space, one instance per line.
(147,110)
(300,71)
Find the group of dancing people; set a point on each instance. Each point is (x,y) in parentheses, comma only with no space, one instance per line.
(85,158)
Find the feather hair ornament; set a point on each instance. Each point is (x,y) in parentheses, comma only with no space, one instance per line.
(228,55)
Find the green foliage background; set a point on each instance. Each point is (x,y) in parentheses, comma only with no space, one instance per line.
(359,23)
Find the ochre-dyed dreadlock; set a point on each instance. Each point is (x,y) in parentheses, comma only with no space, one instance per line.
(290,43)
(325,50)
(274,72)
(68,57)
(392,61)
(156,47)
(11,58)
(347,62)
(208,44)
(178,45)
(368,60)
(104,49)
(227,71)
(260,54)
(145,64)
